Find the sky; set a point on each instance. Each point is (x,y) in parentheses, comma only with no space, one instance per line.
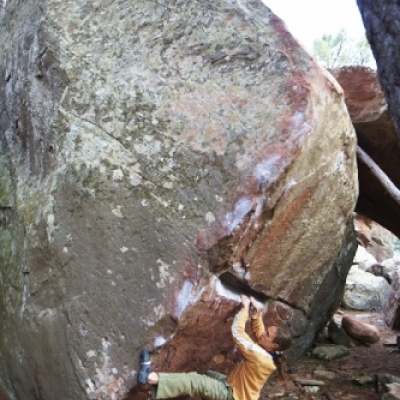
(308,20)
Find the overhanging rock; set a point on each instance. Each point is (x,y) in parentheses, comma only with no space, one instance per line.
(377,138)
(153,147)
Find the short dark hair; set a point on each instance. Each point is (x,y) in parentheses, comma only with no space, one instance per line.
(283,338)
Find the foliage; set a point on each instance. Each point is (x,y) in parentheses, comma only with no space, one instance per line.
(339,50)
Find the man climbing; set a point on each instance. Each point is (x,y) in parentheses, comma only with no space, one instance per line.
(246,379)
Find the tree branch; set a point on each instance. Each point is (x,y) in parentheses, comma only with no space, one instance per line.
(375,170)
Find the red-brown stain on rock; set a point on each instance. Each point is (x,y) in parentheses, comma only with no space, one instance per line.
(203,332)
(280,28)
(3,395)
(265,263)
(363,94)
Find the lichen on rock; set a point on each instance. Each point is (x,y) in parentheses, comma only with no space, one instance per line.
(150,149)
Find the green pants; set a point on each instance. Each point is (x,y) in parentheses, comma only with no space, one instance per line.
(212,386)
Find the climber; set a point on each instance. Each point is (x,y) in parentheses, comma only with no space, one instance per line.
(247,378)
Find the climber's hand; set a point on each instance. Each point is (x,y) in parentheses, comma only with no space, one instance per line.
(245,302)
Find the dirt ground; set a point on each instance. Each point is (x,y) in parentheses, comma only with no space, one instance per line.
(351,376)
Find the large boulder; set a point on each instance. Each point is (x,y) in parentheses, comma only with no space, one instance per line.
(156,160)
(377,138)
(365,291)
(363,96)
(365,333)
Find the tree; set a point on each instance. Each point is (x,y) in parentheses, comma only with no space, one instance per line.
(339,50)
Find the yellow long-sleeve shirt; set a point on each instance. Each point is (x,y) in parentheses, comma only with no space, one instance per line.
(248,377)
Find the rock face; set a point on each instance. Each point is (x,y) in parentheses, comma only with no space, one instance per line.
(393,392)
(365,291)
(376,135)
(390,266)
(363,259)
(156,159)
(338,335)
(377,240)
(392,310)
(389,384)
(363,95)
(2,8)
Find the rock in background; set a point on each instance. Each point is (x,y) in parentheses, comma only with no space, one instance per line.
(362,331)
(390,267)
(392,309)
(365,291)
(369,283)
(378,142)
(382,30)
(363,259)
(149,153)
(377,240)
